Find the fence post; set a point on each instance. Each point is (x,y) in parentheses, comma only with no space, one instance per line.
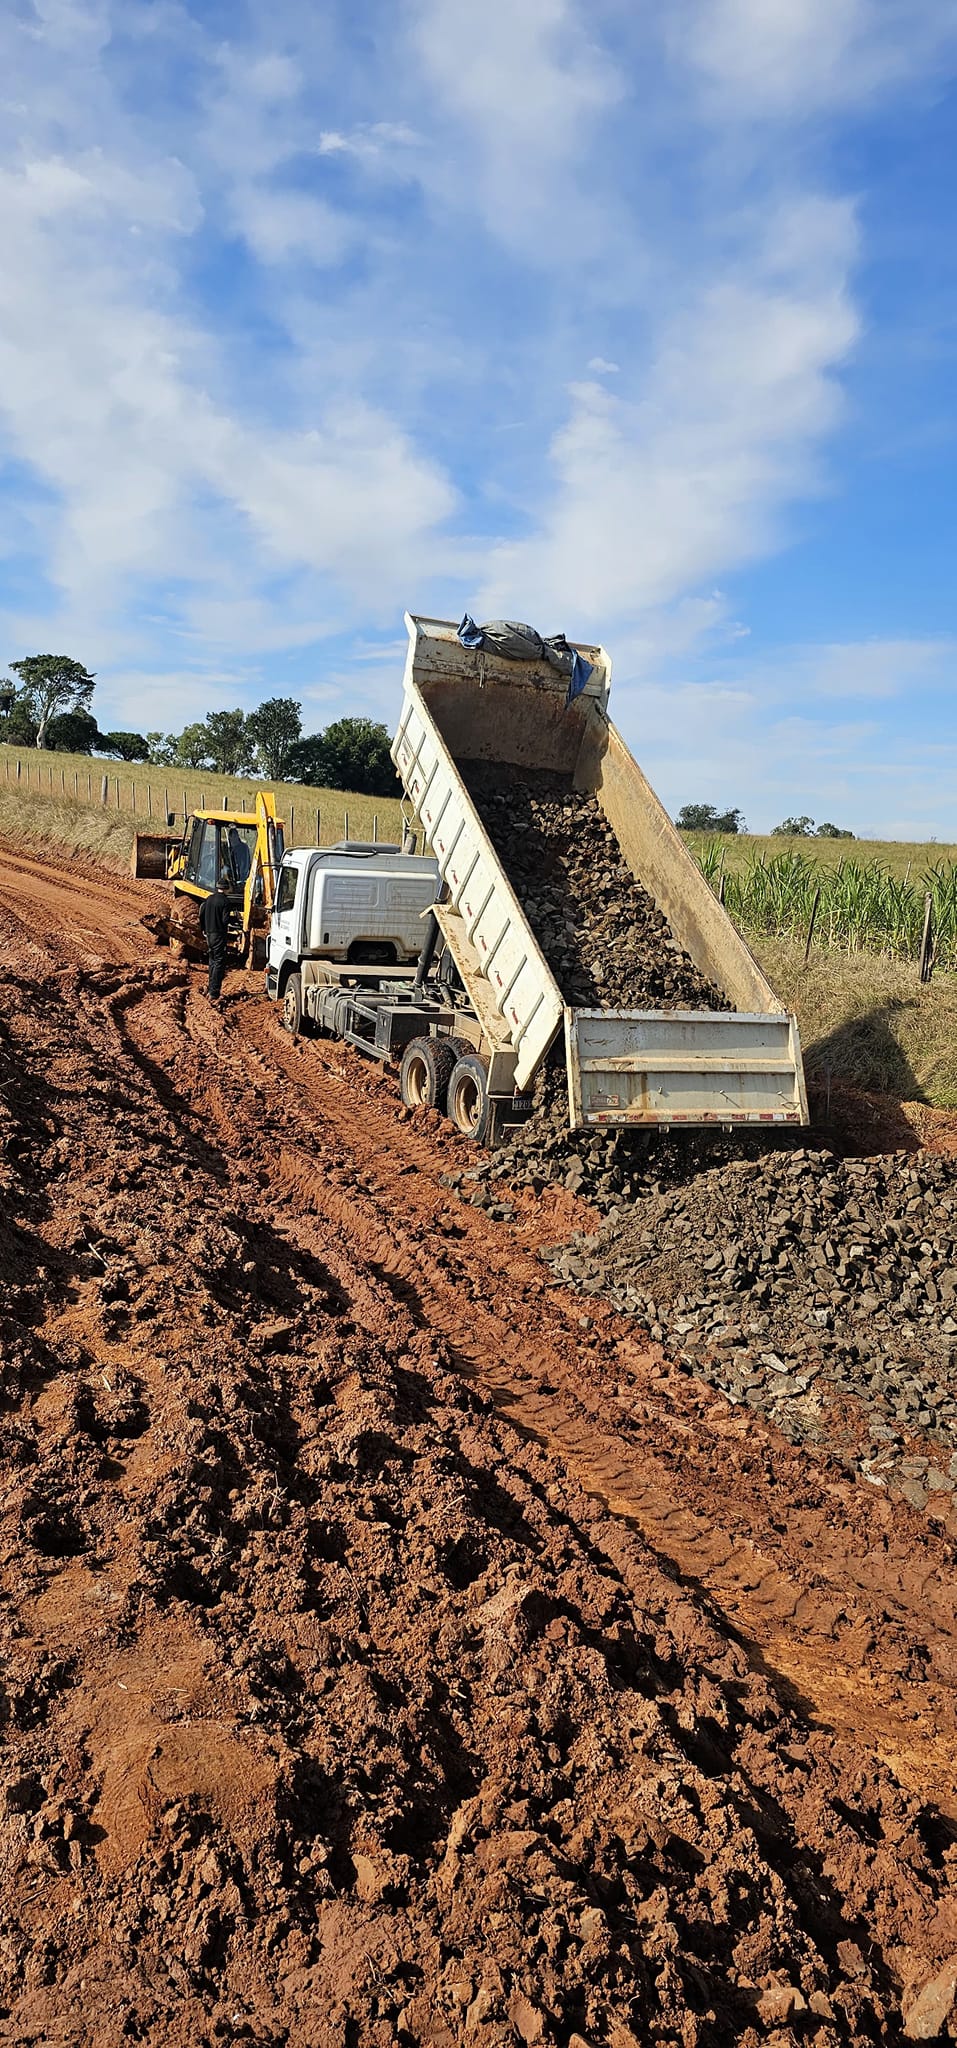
(76,785)
(185,810)
(375,828)
(345,824)
(104,789)
(19,767)
(318,825)
(926,965)
(132,796)
(89,783)
(811,924)
(292,824)
(149,799)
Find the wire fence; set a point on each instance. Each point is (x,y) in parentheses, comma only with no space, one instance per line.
(165,805)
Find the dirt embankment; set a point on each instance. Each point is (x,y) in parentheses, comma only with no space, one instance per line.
(388,1657)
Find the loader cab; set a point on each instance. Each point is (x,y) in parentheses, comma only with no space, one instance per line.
(215,848)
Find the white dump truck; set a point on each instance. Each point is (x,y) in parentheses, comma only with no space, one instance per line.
(473,1023)
(359,903)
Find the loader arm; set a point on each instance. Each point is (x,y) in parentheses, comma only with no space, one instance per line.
(265,864)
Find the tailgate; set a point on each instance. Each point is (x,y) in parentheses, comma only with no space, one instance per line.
(633,1067)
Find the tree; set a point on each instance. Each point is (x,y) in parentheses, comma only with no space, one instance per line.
(307,762)
(834,832)
(794,828)
(192,746)
(274,729)
(124,746)
(352,753)
(74,732)
(50,683)
(704,818)
(162,748)
(356,752)
(229,746)
(18,729)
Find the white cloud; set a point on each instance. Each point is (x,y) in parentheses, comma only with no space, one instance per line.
(280,225)
(656,492)
(876,670)
(603,368)
(518,106)
(371,142)
(774,58)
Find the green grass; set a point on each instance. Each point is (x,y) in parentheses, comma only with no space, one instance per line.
(903,857)
(867,1020)
(57,798)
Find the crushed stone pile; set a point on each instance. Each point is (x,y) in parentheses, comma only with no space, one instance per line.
(605,941)
(333,1713)
(798,1278)
(608,1169)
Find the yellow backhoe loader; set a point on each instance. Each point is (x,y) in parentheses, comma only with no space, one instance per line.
(239,848)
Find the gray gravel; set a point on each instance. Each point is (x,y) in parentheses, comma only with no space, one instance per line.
(603,937)
(820,1291)
(798,1282)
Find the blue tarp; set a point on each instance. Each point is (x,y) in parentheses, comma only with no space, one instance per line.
(515,642)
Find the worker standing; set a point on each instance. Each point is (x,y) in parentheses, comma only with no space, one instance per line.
(214,919)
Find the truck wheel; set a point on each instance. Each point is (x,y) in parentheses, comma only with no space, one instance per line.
(292,1012)
(470,1106)
(427,1064)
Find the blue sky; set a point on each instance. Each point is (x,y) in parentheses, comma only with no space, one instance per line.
(635,321)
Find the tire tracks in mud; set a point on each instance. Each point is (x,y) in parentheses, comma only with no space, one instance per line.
(835,1595)
(863,1638)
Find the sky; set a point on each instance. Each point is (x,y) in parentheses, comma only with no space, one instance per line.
(634,321)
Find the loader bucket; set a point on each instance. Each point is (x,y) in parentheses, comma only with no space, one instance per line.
(151,854)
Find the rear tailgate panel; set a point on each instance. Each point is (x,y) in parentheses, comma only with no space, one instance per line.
(631,1067)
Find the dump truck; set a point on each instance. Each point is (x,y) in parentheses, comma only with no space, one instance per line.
(359,903)
(473,1025)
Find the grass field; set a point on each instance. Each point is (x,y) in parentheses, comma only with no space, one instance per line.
(903,857)
(58,797)
(867,1020)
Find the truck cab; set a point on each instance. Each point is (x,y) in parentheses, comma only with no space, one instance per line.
(360,902)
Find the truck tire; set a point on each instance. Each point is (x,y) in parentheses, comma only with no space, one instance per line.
(469,1103)
(427,1065)
(292,1010)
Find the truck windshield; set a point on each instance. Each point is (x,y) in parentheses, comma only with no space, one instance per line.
(286,892)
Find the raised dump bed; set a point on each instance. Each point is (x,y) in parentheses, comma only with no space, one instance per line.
(479,733)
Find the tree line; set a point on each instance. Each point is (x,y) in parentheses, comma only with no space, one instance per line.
(706,818)
(46,703)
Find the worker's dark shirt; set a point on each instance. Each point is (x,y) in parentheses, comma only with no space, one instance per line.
(214,918)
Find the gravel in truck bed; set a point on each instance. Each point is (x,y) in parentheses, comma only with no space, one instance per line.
(605,940)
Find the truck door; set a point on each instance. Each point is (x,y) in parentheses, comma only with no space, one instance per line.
(285,921)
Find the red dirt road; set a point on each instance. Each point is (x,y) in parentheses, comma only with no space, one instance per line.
(397,1651)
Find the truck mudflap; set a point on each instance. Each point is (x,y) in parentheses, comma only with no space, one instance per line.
(632,1067)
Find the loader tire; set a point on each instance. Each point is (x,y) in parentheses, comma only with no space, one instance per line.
(293,1015)
(469,1103)
(427,1064)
